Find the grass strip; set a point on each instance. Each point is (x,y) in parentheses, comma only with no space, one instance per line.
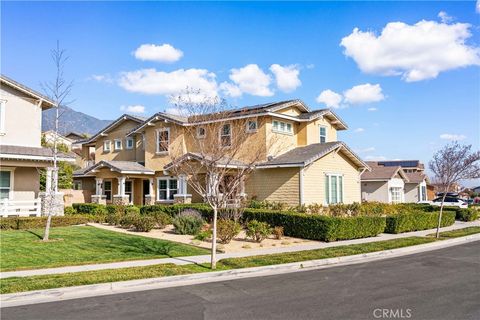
(457,233)
(19,284)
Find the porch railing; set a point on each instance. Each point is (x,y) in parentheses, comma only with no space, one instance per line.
(20,208)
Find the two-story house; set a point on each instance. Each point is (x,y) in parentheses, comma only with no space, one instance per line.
(21,154)
(395,181)
(305,165)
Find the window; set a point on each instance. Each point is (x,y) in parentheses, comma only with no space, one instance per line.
(333,188)
(226,135)
(129,143)
(167,188)
(77,184)
(2,116)
(252,126)
(106,146)
(118,144)
(129,190)
(201,132)
(163,139)
(282,127)
(5,184)
(396,194)
(323,134)
(107,189)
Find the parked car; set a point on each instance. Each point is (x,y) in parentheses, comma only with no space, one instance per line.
(450,201)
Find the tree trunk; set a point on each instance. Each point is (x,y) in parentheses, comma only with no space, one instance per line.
(47,228)
(440,216)
(214,239)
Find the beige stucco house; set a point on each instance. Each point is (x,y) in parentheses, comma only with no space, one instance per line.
(21,154)
(306,164)
(394,182)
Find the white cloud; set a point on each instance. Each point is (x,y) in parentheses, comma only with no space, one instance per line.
(311,65)
(230,90)
(133,109)
(101,78)
(416,52)
(375,158)
(364,93)
(366,150)
(372,109)
(161,53)
(286,77)
(175,111)
(151,81)
(330,98)
(452,137)
(477,6)
(252,80)
(444,17)
(359,130)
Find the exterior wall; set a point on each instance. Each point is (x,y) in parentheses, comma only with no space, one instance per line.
(118,132)
(26,183)
(313,131)
(278,143)
(24,111)
(411,192)
(156,161)
(314,179)
(290,111)
(375,191)
(280,185)
(71,196)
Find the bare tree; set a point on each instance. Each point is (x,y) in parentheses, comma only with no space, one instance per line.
(222,152)
(452,164)
(58,91)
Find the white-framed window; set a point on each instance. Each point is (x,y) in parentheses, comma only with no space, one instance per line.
(323,134)
(282,127)
(226,135)
(118,144)
(107,189)
(129,143)
(77,185)
(6,184)
(252,126)
(106,146)
(129,190)
(3,110)
(333,188)
(422,193)
(166,188)
(201,132)
(163,139)
(396,194)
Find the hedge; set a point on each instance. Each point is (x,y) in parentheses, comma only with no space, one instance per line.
(172,210)
(466,214)
(21,223)
(415,221)
(317,227)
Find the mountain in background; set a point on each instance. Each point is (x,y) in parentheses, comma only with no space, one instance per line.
(71,120)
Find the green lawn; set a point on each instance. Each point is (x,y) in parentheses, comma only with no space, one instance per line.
(10,285)
(457,233)
(77,245)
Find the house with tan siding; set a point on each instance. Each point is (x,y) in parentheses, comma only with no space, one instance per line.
(301,161)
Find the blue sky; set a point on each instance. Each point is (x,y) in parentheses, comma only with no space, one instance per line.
(423,80)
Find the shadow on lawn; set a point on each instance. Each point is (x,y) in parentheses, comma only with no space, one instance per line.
(36,234)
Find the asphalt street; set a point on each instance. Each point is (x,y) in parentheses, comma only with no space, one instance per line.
(441,284)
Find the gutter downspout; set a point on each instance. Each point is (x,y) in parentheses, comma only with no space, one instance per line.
(301,196)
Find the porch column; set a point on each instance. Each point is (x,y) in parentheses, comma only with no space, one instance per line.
(98,186)
(120,198)
(150,197)
(121,186)
(151,185)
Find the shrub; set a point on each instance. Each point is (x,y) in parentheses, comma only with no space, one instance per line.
(204,235)
(257,230)
(278,232)
(188,222)
(22,223)
(466,214)
(143,223)
(417,220)
(161,219)
(128,220)
(69,211)
(173,210)
(115,215)
(318,227)
(227,230)
(132,209)
(88,208)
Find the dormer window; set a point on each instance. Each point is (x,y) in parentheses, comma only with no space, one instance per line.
(118,144)
(201,132)
(106,146)
(163,140)
(282,127)
(252,126)
(129,143)
(323,134)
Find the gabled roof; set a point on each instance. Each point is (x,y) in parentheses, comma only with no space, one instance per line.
(303,156)
(224,161)
(402,163)
(76,134)
(112,125)
(46,102)
(249,111)
(125,167)
(382,173)
(416,177)
(32,153)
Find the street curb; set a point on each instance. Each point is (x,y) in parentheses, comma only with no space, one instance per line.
(61,294)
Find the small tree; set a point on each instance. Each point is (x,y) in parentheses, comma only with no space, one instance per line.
(452,164)
(58,91)
(218,162)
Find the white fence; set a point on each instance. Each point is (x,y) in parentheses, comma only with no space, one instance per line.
(20,208)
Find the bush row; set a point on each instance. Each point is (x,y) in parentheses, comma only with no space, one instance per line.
(415,221)
(22,223)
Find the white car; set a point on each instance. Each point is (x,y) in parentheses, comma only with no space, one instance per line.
(450,202)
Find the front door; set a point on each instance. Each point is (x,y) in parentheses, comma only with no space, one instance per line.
(146,189)
(129,190)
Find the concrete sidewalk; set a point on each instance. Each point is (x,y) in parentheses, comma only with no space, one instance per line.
(206,258)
